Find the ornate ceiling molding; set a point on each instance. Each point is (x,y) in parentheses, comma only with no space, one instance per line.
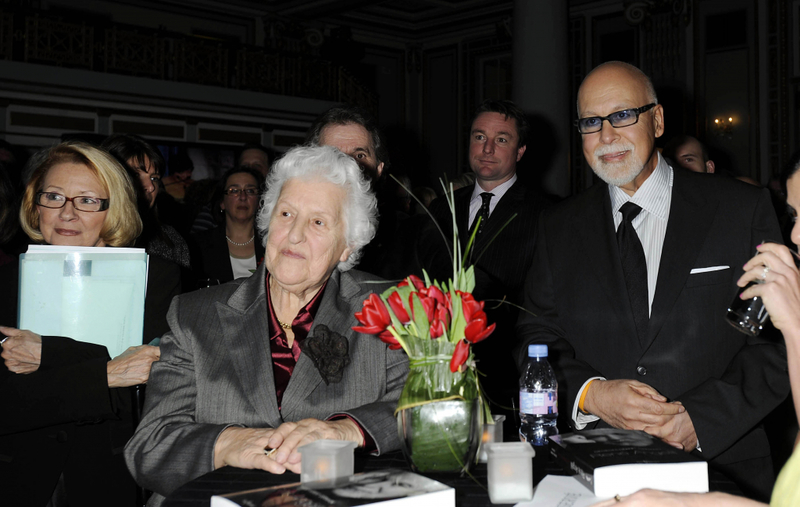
(641,12)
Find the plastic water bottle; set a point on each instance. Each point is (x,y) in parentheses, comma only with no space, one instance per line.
(538,398)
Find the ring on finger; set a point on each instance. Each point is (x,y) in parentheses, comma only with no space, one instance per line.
(3,340)
(764,273)
(617,498)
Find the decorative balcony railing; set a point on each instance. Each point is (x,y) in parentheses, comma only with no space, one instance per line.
(129,52)
(157,54)
(58,43)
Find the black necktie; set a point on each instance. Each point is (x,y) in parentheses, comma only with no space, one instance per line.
(483,212)
(634,267)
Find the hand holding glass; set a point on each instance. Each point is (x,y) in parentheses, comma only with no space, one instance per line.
(749,315)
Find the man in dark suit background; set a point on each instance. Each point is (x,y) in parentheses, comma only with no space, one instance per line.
(498,140)
(637,334)
(355,132)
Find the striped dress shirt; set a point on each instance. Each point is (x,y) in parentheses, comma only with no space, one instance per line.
(654,197)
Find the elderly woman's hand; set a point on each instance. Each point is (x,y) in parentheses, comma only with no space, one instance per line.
(22,350)
(132,367)
(244,447)
(781,284)
(291,435)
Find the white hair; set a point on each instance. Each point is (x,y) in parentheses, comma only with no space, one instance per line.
(360,208)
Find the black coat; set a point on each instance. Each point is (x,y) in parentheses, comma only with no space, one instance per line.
(727,381)
(210,256)
(63,418)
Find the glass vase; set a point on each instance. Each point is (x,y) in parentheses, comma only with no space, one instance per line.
(439,416)
(441,436)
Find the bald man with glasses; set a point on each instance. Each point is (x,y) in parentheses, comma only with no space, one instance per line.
(629,287)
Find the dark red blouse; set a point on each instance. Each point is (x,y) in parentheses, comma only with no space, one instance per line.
(284,358)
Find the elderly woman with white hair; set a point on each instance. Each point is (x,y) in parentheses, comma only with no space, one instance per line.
(257,367)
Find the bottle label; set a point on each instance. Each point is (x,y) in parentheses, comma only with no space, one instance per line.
(541,403)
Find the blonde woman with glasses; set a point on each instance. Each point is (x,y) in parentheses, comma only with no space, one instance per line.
(65,420)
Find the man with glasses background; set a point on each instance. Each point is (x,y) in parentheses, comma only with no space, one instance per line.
(630,284)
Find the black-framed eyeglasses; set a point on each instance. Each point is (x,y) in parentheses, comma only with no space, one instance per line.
(87,203)
(235,191)
(619,119)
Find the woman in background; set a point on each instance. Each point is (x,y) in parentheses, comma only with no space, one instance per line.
(169,267)
(64,420)
(233,249)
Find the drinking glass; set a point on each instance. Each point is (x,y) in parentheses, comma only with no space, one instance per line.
(749,315)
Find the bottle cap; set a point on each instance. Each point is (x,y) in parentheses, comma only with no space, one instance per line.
(537,350)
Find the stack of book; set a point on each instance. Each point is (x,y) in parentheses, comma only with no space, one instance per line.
(620,462)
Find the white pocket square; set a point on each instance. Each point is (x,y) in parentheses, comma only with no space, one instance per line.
(696,271)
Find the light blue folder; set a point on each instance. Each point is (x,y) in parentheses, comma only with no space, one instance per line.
(90,294)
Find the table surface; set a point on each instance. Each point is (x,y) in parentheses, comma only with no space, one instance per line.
(470,491)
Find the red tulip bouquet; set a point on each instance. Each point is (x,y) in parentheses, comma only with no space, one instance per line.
(441,410)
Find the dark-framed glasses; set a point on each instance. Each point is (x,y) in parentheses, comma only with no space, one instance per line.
(235,191)
(619,119)
(55,200)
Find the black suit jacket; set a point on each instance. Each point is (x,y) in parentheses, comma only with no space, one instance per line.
(728,382)
(63,418)
(501,257)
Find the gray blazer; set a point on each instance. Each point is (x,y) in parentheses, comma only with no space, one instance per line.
(216,371)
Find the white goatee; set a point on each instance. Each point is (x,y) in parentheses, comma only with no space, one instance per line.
(616,173)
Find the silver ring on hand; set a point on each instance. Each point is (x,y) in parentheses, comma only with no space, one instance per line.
(3,340)
(764,273)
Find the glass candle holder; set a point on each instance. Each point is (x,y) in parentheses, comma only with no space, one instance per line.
(491,433)
(510,472)
(325,460)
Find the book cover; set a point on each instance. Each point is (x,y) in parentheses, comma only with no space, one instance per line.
(389,488)
(612,461)
(90,294)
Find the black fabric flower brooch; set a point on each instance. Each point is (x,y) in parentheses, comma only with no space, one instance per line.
(329,351)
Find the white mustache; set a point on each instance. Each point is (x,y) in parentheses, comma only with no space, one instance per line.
(608,149)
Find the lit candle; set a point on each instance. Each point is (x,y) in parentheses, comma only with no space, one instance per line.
(491,433)
(323,468)
(326,460)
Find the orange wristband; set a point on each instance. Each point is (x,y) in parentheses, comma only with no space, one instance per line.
(583,396)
